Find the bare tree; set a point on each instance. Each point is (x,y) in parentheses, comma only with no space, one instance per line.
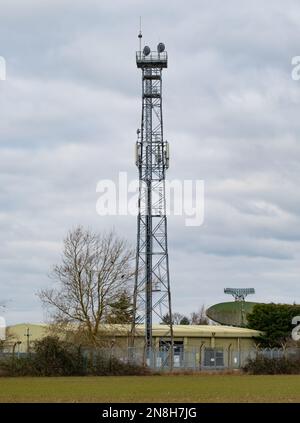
(177,319)
(196,318)
(94,271)
(199,317)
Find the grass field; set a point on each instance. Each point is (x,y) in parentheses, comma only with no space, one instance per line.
(183,388)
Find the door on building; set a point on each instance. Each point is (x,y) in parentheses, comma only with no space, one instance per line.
(178,353)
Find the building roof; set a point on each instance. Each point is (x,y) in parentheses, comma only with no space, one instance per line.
(199,331)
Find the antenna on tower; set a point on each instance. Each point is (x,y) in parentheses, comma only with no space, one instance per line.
(140,35)
(152,292)
(239,294)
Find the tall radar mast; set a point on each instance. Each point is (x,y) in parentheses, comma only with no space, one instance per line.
(240,294)
(152,296)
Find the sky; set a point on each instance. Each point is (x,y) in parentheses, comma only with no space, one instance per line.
(70,107)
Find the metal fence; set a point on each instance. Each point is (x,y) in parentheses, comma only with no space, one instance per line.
(185,359)
(193,359)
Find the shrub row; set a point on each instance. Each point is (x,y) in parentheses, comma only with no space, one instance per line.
(53,357)
(272,366)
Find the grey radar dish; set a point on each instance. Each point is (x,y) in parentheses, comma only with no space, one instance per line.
(160,47)
(146,51)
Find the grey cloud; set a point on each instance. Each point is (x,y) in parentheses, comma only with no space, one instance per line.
(69,111)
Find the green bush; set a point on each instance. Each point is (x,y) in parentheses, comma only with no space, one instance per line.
(53,357)
(272,366)
(50,357)
(22,366)
(104,366)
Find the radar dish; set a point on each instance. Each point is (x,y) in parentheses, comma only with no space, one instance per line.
(233,313)
(146,51)
(160,47)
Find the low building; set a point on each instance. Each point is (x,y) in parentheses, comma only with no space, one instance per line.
(210,346)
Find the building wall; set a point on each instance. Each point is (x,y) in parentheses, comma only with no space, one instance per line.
(18,333)
(227,340)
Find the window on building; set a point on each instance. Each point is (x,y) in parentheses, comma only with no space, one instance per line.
(213,357)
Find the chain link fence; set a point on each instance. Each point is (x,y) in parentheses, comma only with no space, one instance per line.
(193,359)
(186,359)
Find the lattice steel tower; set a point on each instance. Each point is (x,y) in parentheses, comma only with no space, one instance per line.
(152,296)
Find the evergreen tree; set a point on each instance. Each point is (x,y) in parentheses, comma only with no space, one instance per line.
(121,310)
(184,321)
(275,321)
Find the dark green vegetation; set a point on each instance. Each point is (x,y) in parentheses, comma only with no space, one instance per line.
(196,388)
(275,320)
(53,357)
(267,366)
(50,357)
(121,310)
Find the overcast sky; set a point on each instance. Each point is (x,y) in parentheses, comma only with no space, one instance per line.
(70,108)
